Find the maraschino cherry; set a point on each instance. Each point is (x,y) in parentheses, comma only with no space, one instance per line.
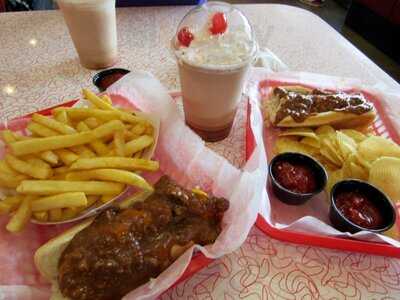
(185,37)
(218,23)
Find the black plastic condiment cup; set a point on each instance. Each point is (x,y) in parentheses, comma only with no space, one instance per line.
(290,197)
(99,77)
(375,195)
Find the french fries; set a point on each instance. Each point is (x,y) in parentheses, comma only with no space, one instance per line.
(125,163)
(92,122)
(106,98)
(41,130)
(61,170)
(5,168)
(55,215)
(83,151)
(138,129)
(66,156)
(11,181)
(97,145)
(21,217)
(65,200)
(52,187)
(12,201)
(138,154)
(119,143)
(137,144)
(75,159)
(78,113)
(8,136)
(115,175)
(9,204)
(42,216)
(50,157)
(96,100)
(50,143)
(38,162)
(53,124)
(62,117)
(70,212)
(32,169)
(64,141)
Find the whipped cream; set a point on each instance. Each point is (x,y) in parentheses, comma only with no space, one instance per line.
(235,46)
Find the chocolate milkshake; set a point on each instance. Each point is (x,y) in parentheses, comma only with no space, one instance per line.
(214,46)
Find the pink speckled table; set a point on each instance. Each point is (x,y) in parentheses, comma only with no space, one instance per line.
(39,68)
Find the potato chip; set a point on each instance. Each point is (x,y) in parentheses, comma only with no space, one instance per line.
(346,169)
(353,158)
(285,144)
(362,161)
(384,173)
(329,166)
(325,129)
(311,142)
(359,172)
(329,136)
(333,178)
(328,156)
(331,151)
(347,145)
(374,147)
(306,132)
(354,134)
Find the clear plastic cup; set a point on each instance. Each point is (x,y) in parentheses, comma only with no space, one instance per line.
(214,45)
(92,26)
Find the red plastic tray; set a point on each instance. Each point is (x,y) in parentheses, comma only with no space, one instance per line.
(381,126)
(199,261)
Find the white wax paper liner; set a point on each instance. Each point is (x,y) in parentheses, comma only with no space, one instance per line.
(184,157)
(390,101)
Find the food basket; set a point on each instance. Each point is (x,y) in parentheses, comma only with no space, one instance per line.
(382,126)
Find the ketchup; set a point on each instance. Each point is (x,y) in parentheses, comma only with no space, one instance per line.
(109,79)
(360,210)
(295,177)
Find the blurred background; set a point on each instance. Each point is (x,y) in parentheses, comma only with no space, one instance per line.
(373,26)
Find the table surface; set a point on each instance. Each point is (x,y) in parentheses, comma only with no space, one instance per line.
(39,68)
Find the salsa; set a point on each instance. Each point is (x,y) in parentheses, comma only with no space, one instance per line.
(360,210)
(299,105)
(295,177)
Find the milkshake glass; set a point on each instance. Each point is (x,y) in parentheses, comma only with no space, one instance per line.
(92,26)
(214,46)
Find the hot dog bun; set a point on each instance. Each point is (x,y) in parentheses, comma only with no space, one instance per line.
(336,119)
(47,256)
